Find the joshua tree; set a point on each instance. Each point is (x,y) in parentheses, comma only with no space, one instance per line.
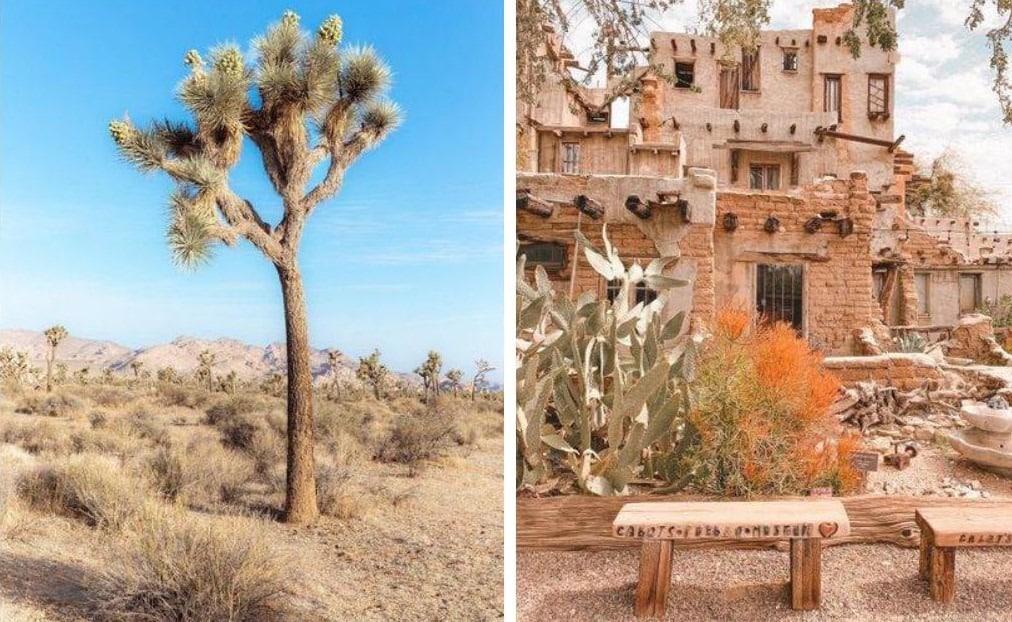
(107,375)
(302,102)
(482,367)
(168,374)
(333,364)
(429,371)
(82,375)
(136,365)
(372,372)
(205,362)
(61,373)
(455,376)
(13,365)
(54,335)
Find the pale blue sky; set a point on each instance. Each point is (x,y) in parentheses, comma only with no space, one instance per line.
(407,258)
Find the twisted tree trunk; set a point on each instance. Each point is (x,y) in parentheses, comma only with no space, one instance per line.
(300,497)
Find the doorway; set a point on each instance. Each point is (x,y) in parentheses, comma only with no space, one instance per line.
(779,294)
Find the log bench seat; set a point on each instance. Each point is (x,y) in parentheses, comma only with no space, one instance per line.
(661,525)
(945,529)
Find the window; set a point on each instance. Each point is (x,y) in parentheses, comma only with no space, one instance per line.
(729,86)
(612,289)
(750,70)
(922,282)
(878,96)
(779,290)
(571,158)
(831,96)
(549,255)
(685,75)
(644,294)
(969,292)
(790,59)
(764,176)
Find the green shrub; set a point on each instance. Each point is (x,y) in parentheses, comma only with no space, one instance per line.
(417,436)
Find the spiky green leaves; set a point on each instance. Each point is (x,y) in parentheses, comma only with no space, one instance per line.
(330,31)
(379,118)
(189,234)
(219,97)
(142,148)
(363,75)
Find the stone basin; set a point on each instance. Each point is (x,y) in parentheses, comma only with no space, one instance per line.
(988,450)
(982,416)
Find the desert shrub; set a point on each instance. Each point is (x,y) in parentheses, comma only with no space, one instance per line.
(171,394)
(100,441)
(37,437)
(98,419)
(211,473)
(49,405)
(232,408)
(335,494)
(252,436)
(142,424)
(111,397)
(180,569)
(166,469)
(760,411)
(86,487)
(417,436)
(14,521)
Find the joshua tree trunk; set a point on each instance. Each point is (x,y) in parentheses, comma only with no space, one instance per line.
(300,502)
(50,356)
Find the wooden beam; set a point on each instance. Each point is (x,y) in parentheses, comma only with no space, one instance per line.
(822,132)
(579,523)
(589,206)
(527,202)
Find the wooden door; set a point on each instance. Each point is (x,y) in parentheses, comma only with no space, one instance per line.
(730,84)
(969,293)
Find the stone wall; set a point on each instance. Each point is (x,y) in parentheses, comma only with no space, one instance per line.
(903,371)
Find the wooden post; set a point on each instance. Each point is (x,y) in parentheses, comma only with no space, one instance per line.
(655,577)
(943,574)
(924,567)
(806,573)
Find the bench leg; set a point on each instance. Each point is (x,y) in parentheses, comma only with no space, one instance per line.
(924,567)
(806,573)
(942,582)
(655,577)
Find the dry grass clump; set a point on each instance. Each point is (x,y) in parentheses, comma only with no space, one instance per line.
(418,436)
(336,494)
(37,436)
(15,523)
(232,408)
(60,404)
(177,568)
(166,468)
(101,441)
(87,487)
(761,410)
(110,397)
(203,474)
(142,424)
(171,394)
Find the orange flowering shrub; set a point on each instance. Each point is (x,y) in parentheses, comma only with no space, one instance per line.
(760,406)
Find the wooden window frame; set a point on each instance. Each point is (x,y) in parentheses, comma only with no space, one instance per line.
(783,64)
(563,162)
(752,61)
(551,268)
(926,303)
(690,63)
(826,79)
(887,90)
(765,166)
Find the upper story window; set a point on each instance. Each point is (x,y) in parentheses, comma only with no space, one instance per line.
(685,74)
(878,96)
(549,255)
(831,96)
(571,158)
(790,59)
(750,70)
(764,176)
(644,294)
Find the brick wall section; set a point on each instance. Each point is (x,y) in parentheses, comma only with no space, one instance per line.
(632,244)
(903,371)
(839,284)
(697,245)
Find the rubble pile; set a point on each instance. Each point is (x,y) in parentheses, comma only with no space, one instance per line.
(889,413)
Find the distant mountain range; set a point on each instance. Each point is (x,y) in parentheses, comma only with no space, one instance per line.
(247,361)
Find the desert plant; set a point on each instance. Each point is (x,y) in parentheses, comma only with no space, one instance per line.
(180,568)
(910,342)
(372,372)
(61,374)
(482,368)
(760,408)
(303,102)
(429,371)
(613,375)
(13,366)
(54,335)
(455,377)
(205,366)
(999,310)
(82,376)
(168,374)
(337,496)
(418,436)
(135,367)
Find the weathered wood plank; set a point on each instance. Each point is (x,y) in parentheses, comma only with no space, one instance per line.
(943,574)
(573,523)
(655,578)
(753,520)
(806,573)
(968,526)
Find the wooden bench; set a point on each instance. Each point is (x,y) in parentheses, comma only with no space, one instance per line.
(661,524)
(945,529)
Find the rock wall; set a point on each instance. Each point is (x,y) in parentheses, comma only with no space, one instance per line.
(900,370)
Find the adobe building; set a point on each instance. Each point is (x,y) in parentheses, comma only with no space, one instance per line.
(773,174)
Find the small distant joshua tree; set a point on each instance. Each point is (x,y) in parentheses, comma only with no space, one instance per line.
(107,375)
(54,335)
(482,367)
(455,378)
(205,365)
(168,374)
(82,375)
(61,373)
(372,372)
(13,365)
(135,366)
(303,102)
(429,371)
(333,364)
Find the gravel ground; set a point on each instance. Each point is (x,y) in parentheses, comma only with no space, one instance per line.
(859,582)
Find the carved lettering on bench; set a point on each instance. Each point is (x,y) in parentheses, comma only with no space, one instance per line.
(692,532)
(990,538)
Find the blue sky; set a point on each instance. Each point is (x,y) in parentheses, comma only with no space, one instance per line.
(407,258)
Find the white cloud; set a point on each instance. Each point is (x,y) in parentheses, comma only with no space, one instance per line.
(931,50)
